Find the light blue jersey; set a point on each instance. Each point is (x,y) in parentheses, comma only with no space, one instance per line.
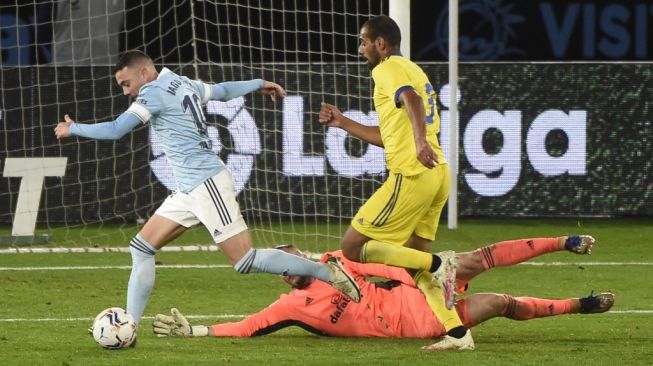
(172,103)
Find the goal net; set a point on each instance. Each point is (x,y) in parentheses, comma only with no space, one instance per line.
(297,180)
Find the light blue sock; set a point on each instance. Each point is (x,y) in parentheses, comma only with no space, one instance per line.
(141,280)
(279,262)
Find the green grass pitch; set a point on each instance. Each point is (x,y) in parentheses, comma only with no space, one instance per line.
(71,297)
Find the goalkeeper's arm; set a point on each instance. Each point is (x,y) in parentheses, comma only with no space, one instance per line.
(276,316)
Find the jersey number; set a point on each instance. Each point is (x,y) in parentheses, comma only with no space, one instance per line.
(194,105)
(429,93)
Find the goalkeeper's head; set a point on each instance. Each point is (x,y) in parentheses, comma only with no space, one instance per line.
(133,70)
(298,282)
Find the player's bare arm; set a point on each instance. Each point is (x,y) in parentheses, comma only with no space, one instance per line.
(272,89)
(415,108)
(63,128)
(331,116)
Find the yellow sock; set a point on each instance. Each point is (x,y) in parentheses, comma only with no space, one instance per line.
(379,252)
(435,299)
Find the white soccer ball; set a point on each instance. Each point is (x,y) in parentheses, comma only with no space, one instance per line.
(113,328)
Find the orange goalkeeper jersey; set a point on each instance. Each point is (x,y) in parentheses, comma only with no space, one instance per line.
(391,310)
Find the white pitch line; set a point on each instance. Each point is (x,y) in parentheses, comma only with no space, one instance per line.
(216,316)
(125,249)
(228,316)
(554,264)
(74,268)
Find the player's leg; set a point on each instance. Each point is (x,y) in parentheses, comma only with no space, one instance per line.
(478,308)
(157,232)
(384,223)
(247,259)
(427,226)
(508,253)
(216,207)
(434,294)
(482,307)
(358,247)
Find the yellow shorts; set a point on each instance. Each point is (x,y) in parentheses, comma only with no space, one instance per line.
(405,205)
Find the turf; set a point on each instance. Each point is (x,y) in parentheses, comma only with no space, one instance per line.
(619,337)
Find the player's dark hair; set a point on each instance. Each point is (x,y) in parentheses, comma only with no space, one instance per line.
(384,26)
(130,58)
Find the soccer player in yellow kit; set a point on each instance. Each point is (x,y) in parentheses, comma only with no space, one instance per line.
(397,224)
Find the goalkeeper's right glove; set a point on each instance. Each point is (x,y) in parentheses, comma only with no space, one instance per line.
(177,326)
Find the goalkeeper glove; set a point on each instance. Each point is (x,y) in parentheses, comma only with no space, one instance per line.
(177,326)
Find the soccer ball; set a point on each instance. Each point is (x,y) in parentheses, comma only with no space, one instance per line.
(113,328)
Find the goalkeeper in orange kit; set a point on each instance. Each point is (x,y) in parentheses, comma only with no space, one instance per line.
(397,308)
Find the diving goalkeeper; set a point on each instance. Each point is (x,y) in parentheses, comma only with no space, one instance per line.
(397,308)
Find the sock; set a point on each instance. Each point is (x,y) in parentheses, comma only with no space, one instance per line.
(279,262)
(524,308)
(457,332)
(507,253)
(141,280)
(435,264)
(435,299)
(378,252)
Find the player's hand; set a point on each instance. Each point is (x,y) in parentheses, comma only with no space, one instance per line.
(272,89)
(63,128)
(330,115)
(426,155)
(176,326)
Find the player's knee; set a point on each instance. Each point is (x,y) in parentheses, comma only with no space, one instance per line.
(139,247)
(245,263)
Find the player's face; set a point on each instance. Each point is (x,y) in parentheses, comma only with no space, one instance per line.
(368,49)
(130,80)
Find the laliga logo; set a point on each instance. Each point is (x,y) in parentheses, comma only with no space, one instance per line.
(496,173)
(485,39)
(246,139)
(495,169)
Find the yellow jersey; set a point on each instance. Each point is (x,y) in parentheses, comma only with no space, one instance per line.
(392,76)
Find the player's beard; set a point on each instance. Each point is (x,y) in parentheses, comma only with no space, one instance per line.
(373,59)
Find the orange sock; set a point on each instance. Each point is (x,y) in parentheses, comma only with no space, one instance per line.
(507,253)
(524,308)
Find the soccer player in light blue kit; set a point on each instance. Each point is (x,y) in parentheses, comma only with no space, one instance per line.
(205,191)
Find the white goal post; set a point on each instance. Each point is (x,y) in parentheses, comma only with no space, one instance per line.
(400,12)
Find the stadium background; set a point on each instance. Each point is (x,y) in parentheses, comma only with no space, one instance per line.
(618,178)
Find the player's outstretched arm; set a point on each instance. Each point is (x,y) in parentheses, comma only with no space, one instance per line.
(233,89)
(280,314)
(102,131)
(272,89)
(176,325)
(331,116)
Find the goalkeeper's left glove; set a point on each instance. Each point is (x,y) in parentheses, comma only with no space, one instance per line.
(177,326)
